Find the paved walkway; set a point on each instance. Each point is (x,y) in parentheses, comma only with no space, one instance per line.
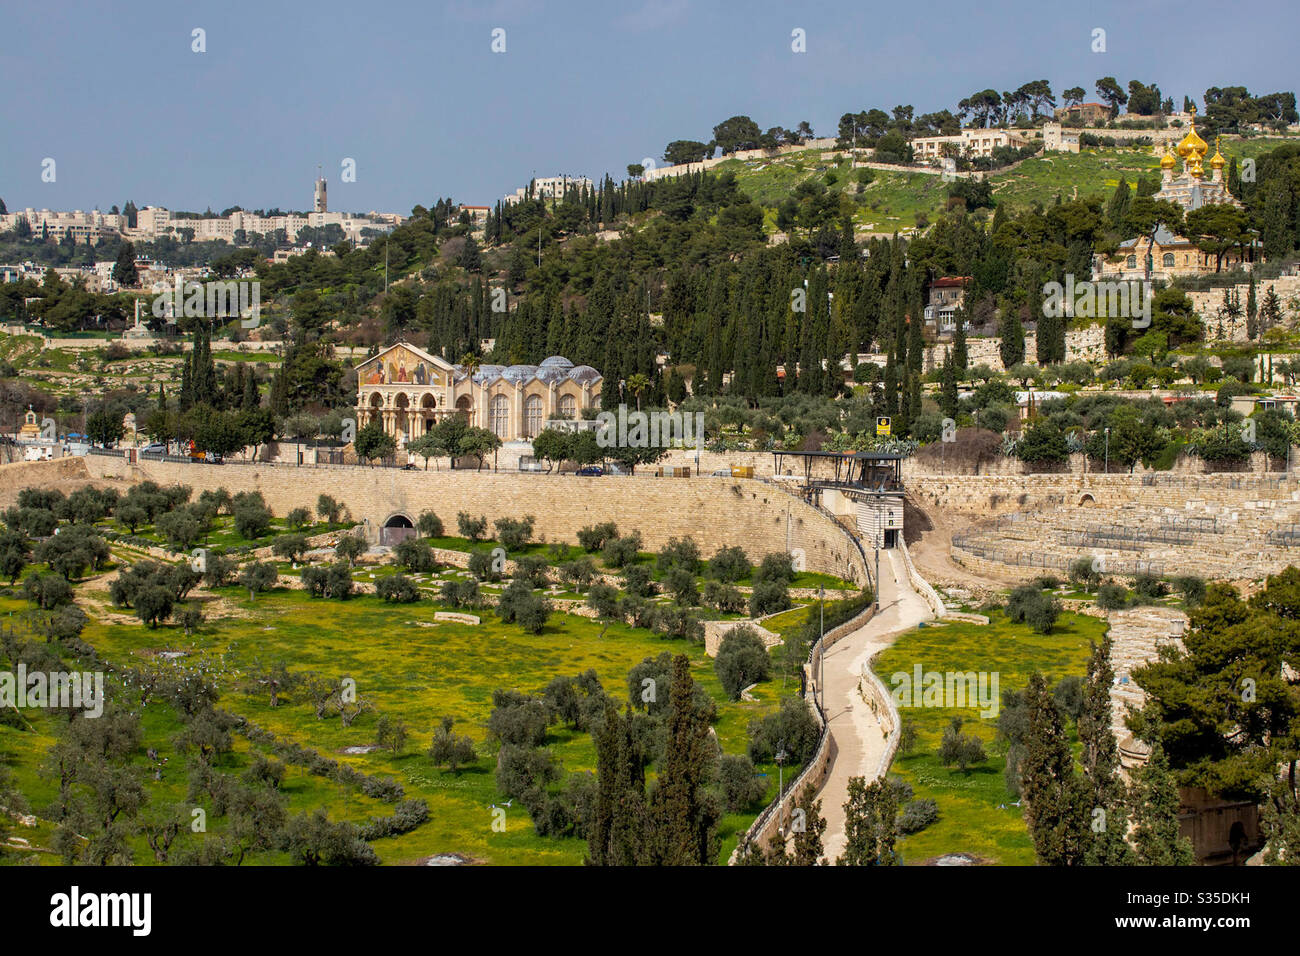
(857,741)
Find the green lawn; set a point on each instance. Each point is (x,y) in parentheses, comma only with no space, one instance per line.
(970,820)
(411,671)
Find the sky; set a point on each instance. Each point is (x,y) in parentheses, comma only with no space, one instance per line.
(414,94)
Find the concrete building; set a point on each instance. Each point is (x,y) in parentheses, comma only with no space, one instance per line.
(947,294)
(82,226)
(1057,140)
(409,391)
(550,187)
(969,143)
(1083,114)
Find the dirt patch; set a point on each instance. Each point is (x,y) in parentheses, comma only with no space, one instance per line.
(448,859)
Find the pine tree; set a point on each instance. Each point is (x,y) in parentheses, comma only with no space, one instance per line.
(870,824)
(1155,815)
(618,821)
(1053,795)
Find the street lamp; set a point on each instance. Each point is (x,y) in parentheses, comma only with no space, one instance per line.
(1107,449)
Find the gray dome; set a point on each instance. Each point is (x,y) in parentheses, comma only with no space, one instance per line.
(550,374)
(557,361)
(487,373)
(584,374)
(519,373)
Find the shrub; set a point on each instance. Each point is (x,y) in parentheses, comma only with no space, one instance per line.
(638,581)
(429,525)
(1192,589)
(471,527)
(741,786)
(338,581)
(329,509)
(349,548)
(679,554)
(1149,586)
(484,566)
(729,564)
(532,571)
(415,555)
(578,574)
(290,546)
(298,518)
(917,815)
(594,537)
(960,749)
(520,605)
(742,660)
(1112,597)
(769,597)
(792,725)
(725,597)
(1029,605)
(1083,574)
(620,552)
(681,584)
(252,520)
(514,533)
(460,593)
(449,749)
(314,580)
(397,589)
(774,567)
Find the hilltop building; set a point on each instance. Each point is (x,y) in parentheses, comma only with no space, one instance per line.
(409,391)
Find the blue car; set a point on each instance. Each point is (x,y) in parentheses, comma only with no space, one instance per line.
(591,471)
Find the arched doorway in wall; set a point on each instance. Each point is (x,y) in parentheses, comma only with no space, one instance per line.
(396,529)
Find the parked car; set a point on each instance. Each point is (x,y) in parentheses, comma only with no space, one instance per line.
(722,473)
(156,448)
(590,471)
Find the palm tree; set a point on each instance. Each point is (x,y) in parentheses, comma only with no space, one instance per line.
(470,363)
(637,384)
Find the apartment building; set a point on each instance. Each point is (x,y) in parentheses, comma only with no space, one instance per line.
(83,226)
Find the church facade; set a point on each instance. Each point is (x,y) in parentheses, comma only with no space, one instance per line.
(409,390)
(1165,255)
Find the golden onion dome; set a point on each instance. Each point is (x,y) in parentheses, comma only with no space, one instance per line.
(1218,161)
(1167,161)
(1191,144)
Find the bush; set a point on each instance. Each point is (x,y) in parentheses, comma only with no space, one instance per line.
(298,518)
(917,815)
(1192,589)
(769,597)
(397,589)
(338,581)
(532,571)
(594,537)
(460,593)
(290,547)
(1029,605)
(724,597)
(1112,597)
(742,660)
(741,786)
(775,567)
(793,725)
(960,749)
(679,554)
(578,574)
(252,520)
(729,564)
(1082,574)
(314,580)
(620,552)
(471,527)
(484,566)
(1149,586)
(429,525)
(415,555)
(520,605)
(449,749)
(514,533)
(681,585)
(329,509)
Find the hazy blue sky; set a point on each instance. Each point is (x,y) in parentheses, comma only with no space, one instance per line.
(413,92)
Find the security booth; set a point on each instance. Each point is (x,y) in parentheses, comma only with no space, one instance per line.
(863,489)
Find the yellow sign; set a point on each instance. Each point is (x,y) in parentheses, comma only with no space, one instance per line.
(882,426)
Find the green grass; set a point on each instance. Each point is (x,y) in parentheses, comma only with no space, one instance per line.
(411,672)
(970,820)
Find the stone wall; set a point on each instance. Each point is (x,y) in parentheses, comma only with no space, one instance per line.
(754,515)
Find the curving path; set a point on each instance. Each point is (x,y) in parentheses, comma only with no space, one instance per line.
(857,740)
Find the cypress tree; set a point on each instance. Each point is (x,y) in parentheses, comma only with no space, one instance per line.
(683,815)
(948,386)
(870,825)
(1053,795)
(1012,347)
(960,355)
(1155,815)
(1105,788)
